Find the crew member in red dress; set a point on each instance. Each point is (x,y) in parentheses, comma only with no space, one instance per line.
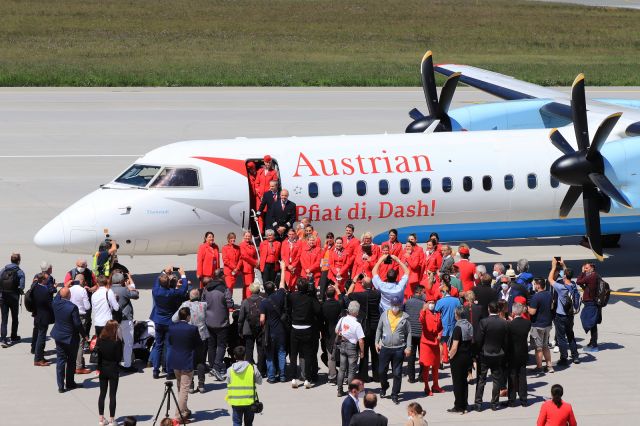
(290,253)
(436,242)
(413,239)
(304,222)
(310,232)
(433,258)
(269,257)
(233,264)
(429,346)
(325,252)
(411,258)
(340,262)
(349,241)
(208,258)
(310,260)
(248,258)
(467,269)
(384,267)
(265,175)
(395,246)
(365,257)
(252,174)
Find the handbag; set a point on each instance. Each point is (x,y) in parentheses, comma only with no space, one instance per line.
(256,406)
(93,356)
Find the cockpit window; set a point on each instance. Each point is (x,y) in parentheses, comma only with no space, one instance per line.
(171,177)
(138,175)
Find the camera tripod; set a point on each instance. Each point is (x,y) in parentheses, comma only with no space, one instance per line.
(168,394)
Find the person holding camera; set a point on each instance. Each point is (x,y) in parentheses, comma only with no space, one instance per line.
(275,337)
(80,298)
(219,302)
(104,302)
(304,310)
(168,293)
(560,278)
(390,288)
(369,300)
(104,258)
(125,291)
(242,378)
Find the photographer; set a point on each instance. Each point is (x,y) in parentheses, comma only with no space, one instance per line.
(219,302)
(168,293)
(304,310)
(389,288)
(125,291)
(104,258)
(567,295)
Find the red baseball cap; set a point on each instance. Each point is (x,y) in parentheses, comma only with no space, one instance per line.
(463,250)
(267,158)
(251,165)
(520,299)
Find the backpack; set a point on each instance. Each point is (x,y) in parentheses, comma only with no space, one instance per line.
(571,303)
(9,280)
(603,294)
(28,299)
(253,316)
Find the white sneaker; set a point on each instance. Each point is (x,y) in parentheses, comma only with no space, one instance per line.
(556,349)
(307,384)
(294,384)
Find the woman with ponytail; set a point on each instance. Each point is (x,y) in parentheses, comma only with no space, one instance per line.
(556,412)
(416,415)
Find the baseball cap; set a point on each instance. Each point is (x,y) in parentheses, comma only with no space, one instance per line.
(396,301)
(267,158)
(463,250)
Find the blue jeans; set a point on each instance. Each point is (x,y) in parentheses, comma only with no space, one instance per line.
(161,343)
(276,350)
(242,411)
(41,338)
(565,336)
(395,356)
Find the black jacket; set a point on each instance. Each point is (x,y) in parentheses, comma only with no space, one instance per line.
(492,336)
(303,309)
(268,202)
(518,341)
(369,316)
(484,296)
(368,418)
(284,217)
(42,305)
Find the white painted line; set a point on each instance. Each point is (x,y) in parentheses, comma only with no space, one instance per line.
(71,156)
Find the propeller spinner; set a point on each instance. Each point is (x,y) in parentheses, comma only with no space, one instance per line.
(438,108)
(583,170)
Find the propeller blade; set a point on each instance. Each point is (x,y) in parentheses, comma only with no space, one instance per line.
(419,126)
(560,142)
(602,134)
(579,112)
(446,94)
(591,203)
(569,200)
(429,83)
(605,185)
(415,114)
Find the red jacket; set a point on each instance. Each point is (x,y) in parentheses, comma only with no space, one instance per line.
(339,263)
(395,248)
(414,263)
(433,261)
(268,248)
(310,259)
(467,272)
(248,257)
(552,415)
(290,253)
(361,265)
(350,245)
(263,177)
(207,260)
(231,258)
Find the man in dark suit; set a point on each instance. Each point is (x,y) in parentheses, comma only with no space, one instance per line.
(184,339)
(350,403)
(484,293)
(269,199)
(492,342)
(284,211)
(369,316)
(66,332)
(42,316)
(368,417)
(517,354)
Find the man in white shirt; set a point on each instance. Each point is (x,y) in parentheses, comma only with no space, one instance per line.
(103,301)
(350,332)
(80,298)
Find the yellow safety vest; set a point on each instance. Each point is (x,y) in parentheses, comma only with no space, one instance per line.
(107,265)
(240,391)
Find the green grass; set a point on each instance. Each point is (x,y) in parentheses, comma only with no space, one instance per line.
(308,43)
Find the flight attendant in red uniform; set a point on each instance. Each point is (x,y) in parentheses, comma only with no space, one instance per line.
(365,257)
(467,270)
(265,175)
(411,258)
(252,174)
(269,257)
(395,246)
(248,259)
(232,264)
(340,262)
(384,267)
(349,241)
(208,257)
(433,258)
(290,254)
(310,260)
(429,346)
(329,244)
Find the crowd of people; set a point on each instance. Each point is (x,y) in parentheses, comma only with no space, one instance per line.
(366,309)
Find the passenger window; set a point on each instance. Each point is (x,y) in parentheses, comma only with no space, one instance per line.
(383,187)
(508,182)
(487,183)
(446,184)
(336,187)
(554,182)
(532,181)
(138,175)
(467,183)
(361,188)
(425,185)
(405,186)
(313,189)
(171,177)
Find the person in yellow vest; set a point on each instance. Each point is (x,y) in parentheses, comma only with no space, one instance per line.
(242,379)
(103,258)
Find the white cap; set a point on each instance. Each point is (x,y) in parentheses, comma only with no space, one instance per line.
(44,266)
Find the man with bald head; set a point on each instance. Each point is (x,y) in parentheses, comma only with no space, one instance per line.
(66,331)
(284,211)
(80,269)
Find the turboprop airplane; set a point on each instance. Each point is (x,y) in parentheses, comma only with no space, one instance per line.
(511,169)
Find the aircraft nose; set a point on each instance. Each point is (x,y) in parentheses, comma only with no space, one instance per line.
(51,236)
